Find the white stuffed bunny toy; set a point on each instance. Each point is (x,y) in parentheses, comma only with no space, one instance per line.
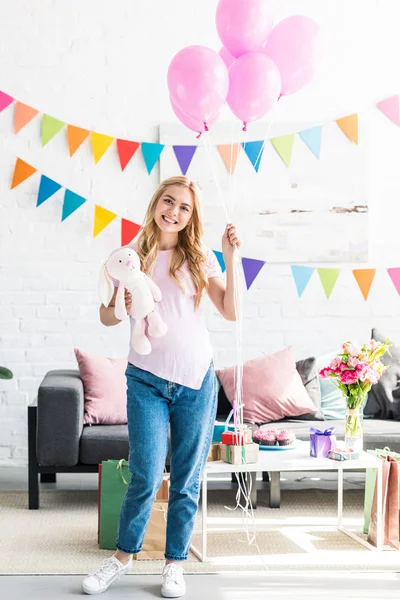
(123,265)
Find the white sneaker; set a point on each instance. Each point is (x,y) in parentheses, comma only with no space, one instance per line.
(173,585)
(99,581)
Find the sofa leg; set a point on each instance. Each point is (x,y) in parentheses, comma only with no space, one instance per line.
(275,490)
(33,474)
(48,477)
(265,476)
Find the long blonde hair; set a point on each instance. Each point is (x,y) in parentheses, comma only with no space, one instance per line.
(189,247)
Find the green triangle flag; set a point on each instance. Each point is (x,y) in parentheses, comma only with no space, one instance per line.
(50,127)
(328,279)
(284,146)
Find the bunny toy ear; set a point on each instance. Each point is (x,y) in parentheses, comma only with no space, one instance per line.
(106,286)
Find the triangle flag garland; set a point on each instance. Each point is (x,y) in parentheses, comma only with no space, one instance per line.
(100,144)
(364,278)
(184,155)
(349,126)
(71,203)
(390,108)
(23,115)
(75,136)
(5,100)
(50,127)
(284,146)
(312,138)
(254,151)
(126,150)
(21,172)
(394,274)
(251,268)
(328,279)
(220,258)
(301,276)
(129,231)
(47,188)
(229,154)
(102,218)
(151,154)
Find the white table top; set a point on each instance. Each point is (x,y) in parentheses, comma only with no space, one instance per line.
(296,459)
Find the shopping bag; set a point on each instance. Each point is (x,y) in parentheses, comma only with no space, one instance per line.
(390,505)
(154,541)
(370,478)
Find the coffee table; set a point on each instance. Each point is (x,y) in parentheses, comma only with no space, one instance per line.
(295,459)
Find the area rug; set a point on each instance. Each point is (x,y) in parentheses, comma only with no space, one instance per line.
(61,537)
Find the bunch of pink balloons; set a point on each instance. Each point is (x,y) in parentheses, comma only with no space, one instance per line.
(257,64)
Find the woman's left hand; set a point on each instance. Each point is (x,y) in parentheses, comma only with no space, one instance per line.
(230,239)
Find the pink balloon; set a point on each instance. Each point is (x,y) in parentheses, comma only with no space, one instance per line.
(244,25)
(198,82)
(189,122)
(254,86)
(294,45)
(226,57)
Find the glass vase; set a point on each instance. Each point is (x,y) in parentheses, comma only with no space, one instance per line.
(353,429)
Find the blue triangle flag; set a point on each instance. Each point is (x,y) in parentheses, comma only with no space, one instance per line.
(301,276)
(220,258)
(254,151)
(71,203)
(251,268)
(151,154)
(312,138)
(47,188)
(184,155)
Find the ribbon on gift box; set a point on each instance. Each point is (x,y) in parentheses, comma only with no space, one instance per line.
(321,442)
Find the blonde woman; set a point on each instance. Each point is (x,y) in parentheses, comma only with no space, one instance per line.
(174,386)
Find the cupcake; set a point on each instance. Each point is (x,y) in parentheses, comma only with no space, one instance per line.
(286,437)
(264,438)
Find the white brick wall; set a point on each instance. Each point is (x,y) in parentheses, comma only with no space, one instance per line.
(102,66)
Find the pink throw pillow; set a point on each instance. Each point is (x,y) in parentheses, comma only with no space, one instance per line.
(104,385)
(272,388)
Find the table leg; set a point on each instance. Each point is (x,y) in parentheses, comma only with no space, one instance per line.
(275,489)
(340,497)
(204,518)
(253,495)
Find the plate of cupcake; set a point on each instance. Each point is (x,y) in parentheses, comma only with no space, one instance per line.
(275,439)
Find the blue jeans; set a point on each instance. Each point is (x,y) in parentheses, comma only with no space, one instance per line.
(153,404)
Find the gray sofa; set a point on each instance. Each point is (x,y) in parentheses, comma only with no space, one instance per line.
(59,442)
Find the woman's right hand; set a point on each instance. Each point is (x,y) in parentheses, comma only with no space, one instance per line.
(128,301)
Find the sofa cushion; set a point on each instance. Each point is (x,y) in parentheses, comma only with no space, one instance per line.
(307,369)
(333,404)
(384,397)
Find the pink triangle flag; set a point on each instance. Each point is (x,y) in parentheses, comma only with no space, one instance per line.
(5,100)
(390,108)
(394,274)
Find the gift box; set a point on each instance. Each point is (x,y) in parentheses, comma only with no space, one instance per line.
(237,438)
(219,428)
(214,453)
(321,442)
(337,454)
(238,455)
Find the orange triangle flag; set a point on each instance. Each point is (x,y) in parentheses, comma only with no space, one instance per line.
(129,231)
(100,144)
(126,149)
(21,172)
(364,278)
(76,136)
(22,115)
(102,218)
(349,126)
(230,155)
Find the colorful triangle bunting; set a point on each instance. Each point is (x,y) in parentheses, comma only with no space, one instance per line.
(394,274)
(328,279)
(301,276)
(47,188)
(102,218)
(349,126)
(229,154)
(251,268)
(126,150)
(100,144)
(22,115)
(75,136)
(21,172)
(284,146)
(5,100)
(312,138)
(71,203)
(390,108)
(50,127)
(364,278)
(220,258)
(254,151)
(151,154)
(129,231)
(184,155)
